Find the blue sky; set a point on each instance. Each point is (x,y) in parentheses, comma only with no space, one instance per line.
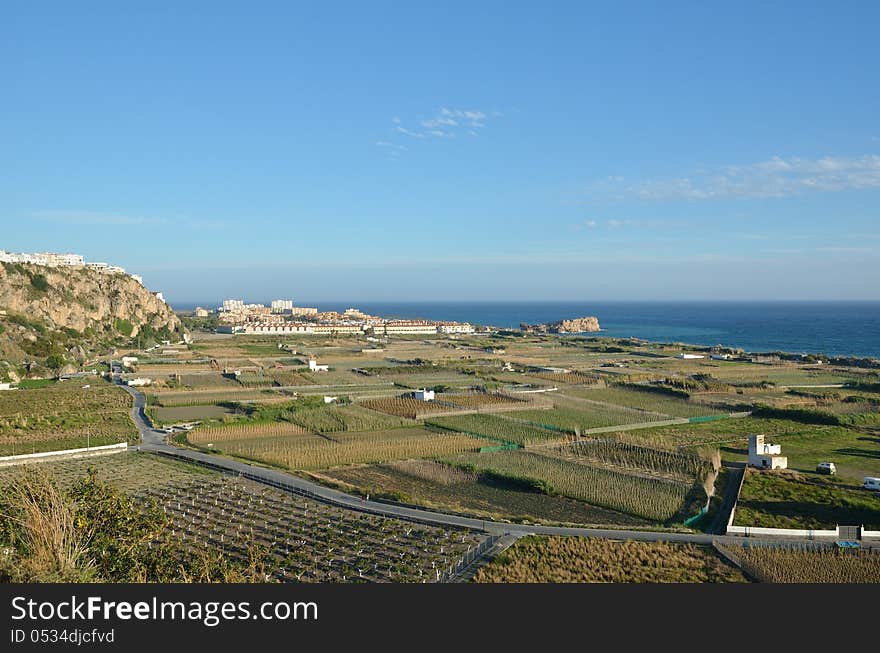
(490,150)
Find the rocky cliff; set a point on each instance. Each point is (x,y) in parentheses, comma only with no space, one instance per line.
(575,325)
(73,312)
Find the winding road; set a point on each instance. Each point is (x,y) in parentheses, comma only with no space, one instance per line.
(155,441)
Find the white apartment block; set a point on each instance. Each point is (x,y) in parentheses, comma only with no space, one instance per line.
(455,327)
(281,305)
(233,305)
(54,260)
(406,327)
(47,259)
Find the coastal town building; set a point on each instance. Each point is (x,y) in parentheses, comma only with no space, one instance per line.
(405,327)
(281,305)
(454,327)
(282,317)
(67,260)
(232,305)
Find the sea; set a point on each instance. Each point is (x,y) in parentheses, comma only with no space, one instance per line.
(835,328)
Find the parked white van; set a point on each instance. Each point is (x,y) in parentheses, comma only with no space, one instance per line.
(871,483)
(826,468)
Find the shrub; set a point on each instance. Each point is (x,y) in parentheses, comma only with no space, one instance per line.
(55,362)
(123,326)
(40,282)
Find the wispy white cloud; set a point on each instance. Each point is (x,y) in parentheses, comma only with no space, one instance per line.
(773,178)
(444,123)
(408,132)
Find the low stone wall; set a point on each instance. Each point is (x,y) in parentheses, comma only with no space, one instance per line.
(44,456)
(782,532)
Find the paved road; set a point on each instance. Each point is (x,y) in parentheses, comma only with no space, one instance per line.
(155,441)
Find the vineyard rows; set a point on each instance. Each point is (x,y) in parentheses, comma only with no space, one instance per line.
(345,418)
(682,464)
(789,565)
(497,428)
(407,407)
(348,448)
(646,401)
(653,499)
(305,540)
(574,417)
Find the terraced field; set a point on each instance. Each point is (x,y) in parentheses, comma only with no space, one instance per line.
(496,428)
(436,485)
(64,415)
(408,407)
(645,401)
(309,451)
(649,498)
(574,416)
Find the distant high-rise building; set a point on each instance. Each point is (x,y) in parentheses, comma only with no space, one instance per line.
(281,305)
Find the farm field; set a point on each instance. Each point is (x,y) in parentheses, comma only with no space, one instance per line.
(496,428)
(310,451)
(649,498)
(646,401)
(172,414)
(781,499)
(568,378)
(783,565)
(64,415)
(593,560)
(408,407)
(683,466)
(481,400)
(574,416)
(346,418)
(300,540)
(215,434)
(436,485)
(733,432)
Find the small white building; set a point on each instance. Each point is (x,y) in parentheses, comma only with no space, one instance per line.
(720,357)
(5,386)
(128,361)
(424,395)
(330,400)
(315,367)
(765,456)
(139,382)
(688,357)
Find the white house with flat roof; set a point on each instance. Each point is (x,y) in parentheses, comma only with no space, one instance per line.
(765,456)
